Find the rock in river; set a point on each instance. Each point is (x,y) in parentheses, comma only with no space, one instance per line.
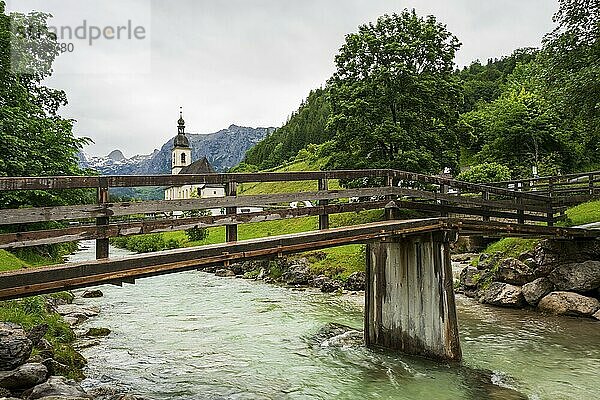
(567,303)
(23,377)
(514,272)
(15,346)
(58,387)
(92,294)
(502,294)
(355,282)
(536,290)
(577,277)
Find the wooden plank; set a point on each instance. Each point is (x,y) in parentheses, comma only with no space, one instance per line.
(39,280)
(467,200)
(28,215)
(76,182)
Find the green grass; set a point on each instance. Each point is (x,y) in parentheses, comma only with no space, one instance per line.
(289,187)
(582,214)
(508,248)
(337,262)
(10,262)
(512,247)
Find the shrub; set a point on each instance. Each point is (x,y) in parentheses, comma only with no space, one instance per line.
(485,173)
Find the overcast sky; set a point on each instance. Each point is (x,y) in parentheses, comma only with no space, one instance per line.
(244,62)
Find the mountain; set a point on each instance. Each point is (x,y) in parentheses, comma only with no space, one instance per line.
(223,149)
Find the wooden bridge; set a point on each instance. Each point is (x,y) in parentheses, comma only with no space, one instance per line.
(409,295)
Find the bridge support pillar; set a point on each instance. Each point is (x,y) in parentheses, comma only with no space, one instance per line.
(409,300)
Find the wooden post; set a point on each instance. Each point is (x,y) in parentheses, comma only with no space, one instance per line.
(591,184)
(486,197)
(323,218)
(550,187)
(231,230)
(550,214)
(409,298)
(102,198)
(445,190)
(520,211)
(390,213)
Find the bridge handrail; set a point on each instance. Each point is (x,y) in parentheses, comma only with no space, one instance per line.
(92,182)
(396,189)
(546,178)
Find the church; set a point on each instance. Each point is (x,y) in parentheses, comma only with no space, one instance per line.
(181,163)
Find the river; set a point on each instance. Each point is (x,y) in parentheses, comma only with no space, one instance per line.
(197,336)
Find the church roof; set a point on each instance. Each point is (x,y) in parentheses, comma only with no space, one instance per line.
(201,166)
(181,141)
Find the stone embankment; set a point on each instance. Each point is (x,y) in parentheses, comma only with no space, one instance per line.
(27,367)
(557,277)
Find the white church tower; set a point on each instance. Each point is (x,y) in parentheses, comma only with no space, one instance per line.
(181,155)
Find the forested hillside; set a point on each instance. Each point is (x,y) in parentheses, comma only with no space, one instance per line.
(305,126)
(392,104)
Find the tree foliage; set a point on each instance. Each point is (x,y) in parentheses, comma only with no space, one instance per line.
(34,139)
(394,98)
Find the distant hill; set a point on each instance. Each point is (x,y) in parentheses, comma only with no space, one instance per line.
(223,149)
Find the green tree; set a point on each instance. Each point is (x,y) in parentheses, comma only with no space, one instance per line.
(521,130)
(34,139)
(305,126)
(394,97)
(572,75)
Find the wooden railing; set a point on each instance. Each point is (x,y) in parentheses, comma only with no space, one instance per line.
(389,189)
(563,189)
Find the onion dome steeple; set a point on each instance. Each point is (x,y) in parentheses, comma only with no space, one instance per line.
(181,140)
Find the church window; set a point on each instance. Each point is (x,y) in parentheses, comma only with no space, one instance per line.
(183,158)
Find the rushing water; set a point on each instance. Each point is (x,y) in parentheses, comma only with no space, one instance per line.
(196,336)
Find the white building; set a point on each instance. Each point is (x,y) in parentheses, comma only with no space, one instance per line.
(181,163)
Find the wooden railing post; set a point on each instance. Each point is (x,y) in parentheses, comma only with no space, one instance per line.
(550,187)
(486,197)
(102,198)
(231,230)
(323,218)
(389,212)
(591,184)
(550,214)
(445,189)
(520,211)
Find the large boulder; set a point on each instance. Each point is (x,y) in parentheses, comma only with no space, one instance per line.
(502,294)
(514,272)
(326,284)
(469,277)
(23,377)
(577,277)
(15,346)
(58,387)
(536,290)
(297,274)
(355,282)
(568,303)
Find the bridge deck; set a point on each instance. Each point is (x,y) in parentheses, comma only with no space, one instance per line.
(27,282)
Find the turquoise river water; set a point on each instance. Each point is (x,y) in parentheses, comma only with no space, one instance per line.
(196,336)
